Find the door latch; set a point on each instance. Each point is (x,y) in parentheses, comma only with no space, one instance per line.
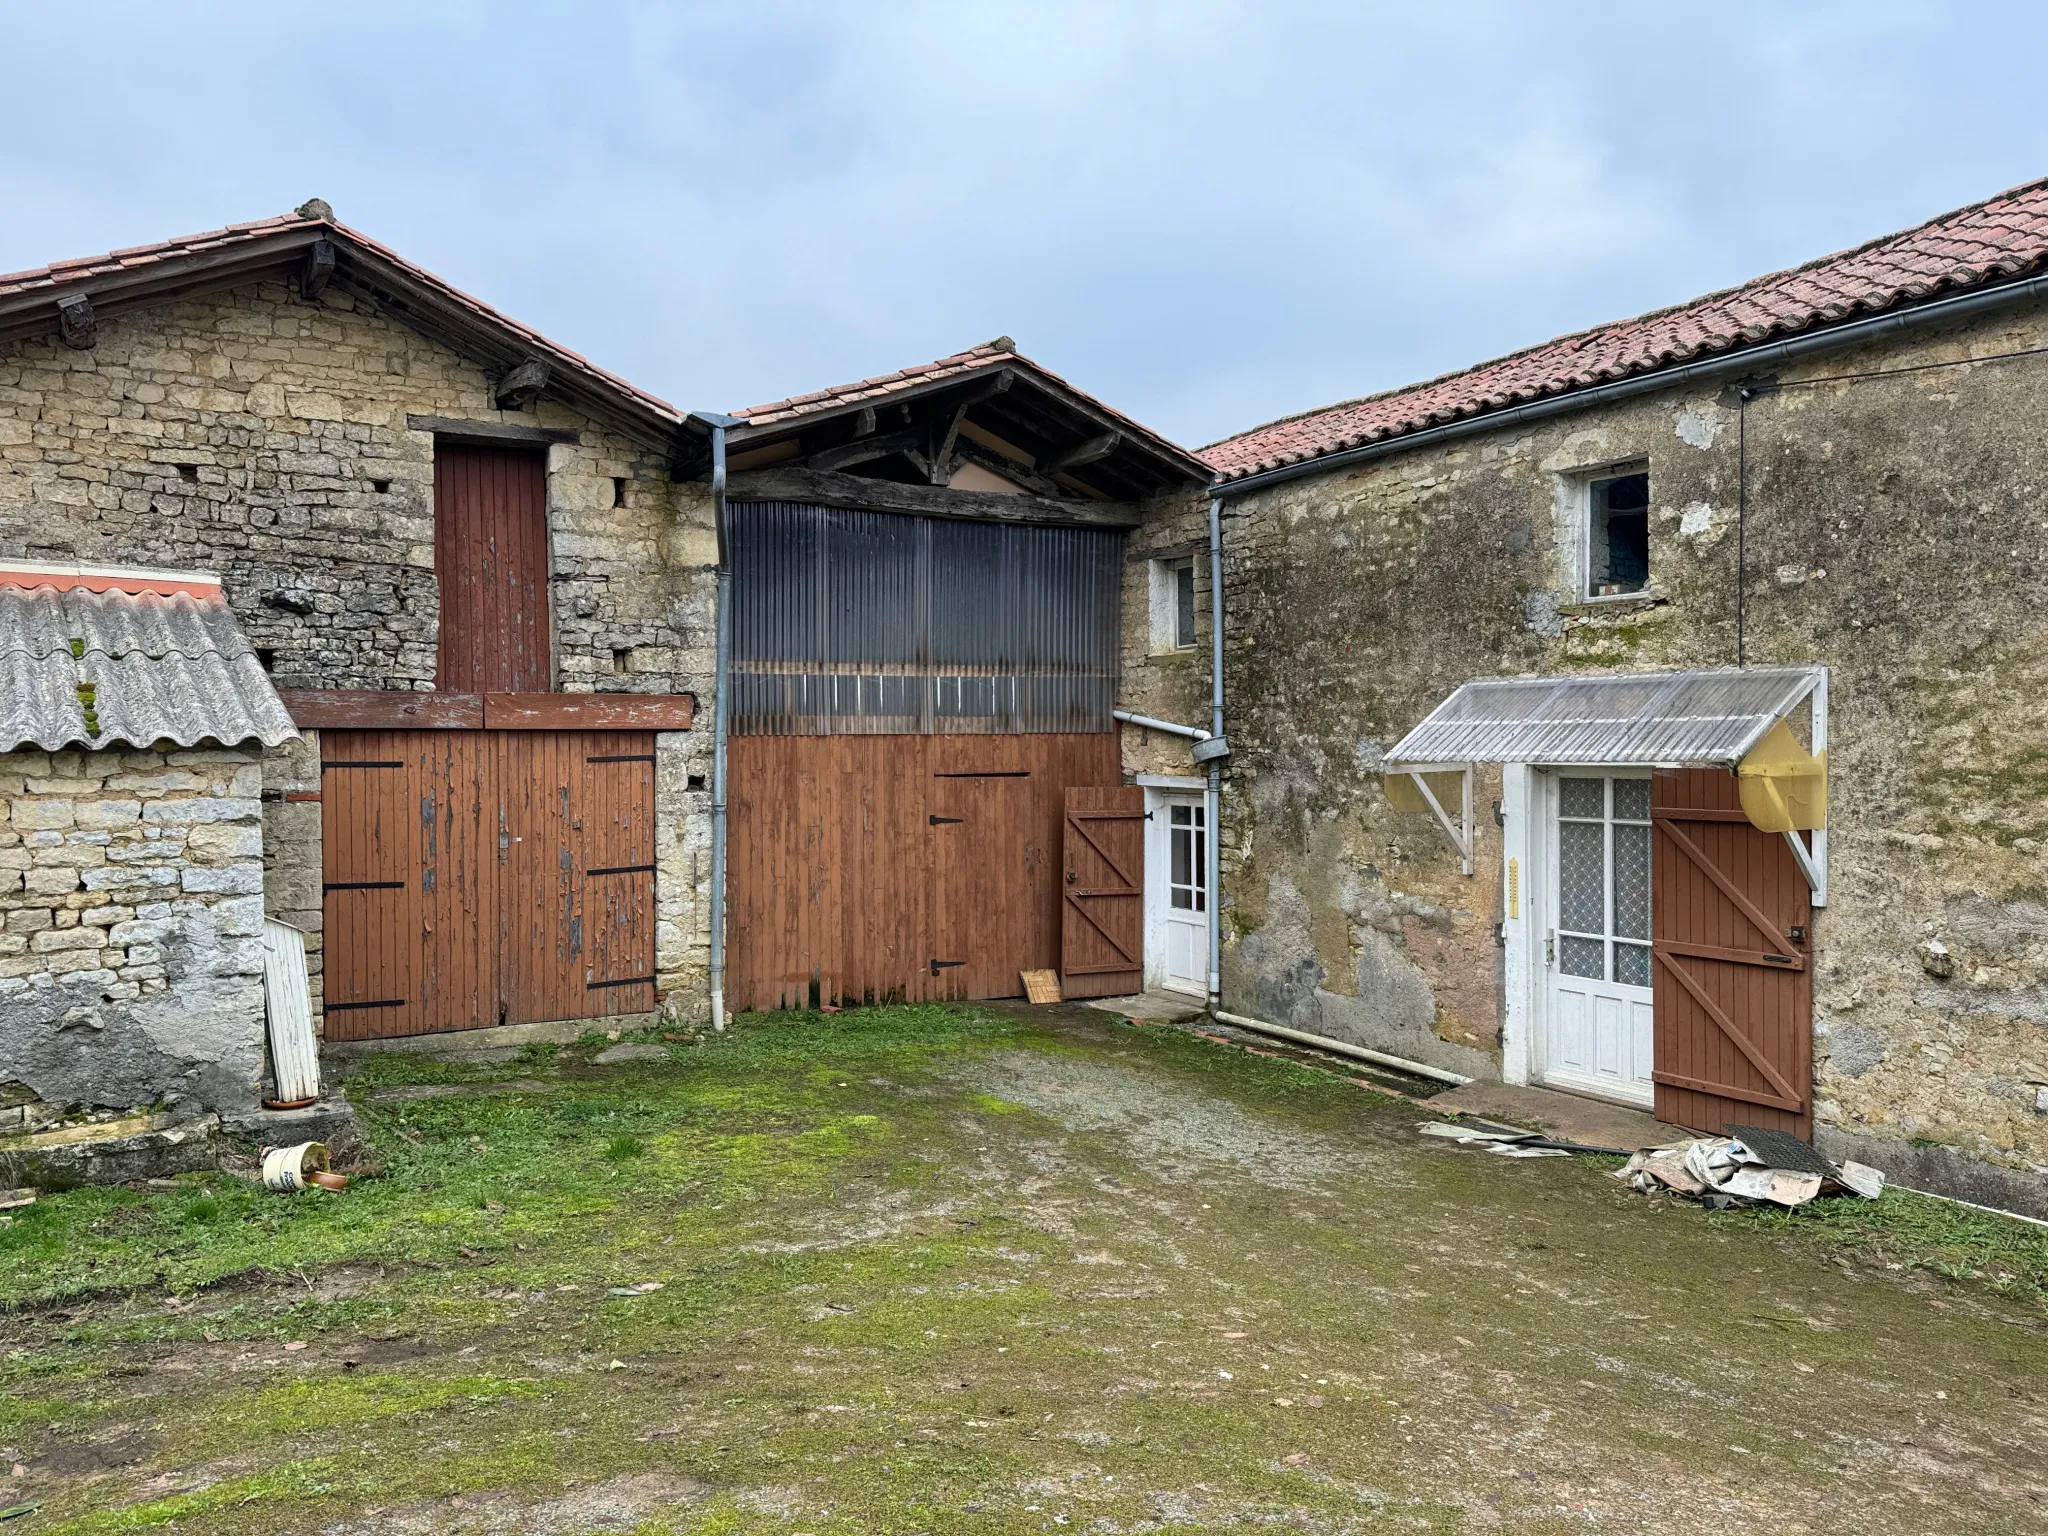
(1796,933)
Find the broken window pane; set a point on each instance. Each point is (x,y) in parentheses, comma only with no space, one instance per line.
(1618,541)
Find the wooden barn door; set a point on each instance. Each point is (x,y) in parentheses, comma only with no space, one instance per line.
(491,558)
(1103,923)
(576,850)
(476,878)
(1733,977)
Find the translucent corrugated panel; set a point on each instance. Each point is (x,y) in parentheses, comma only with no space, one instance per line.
(1688,718)
(877,623)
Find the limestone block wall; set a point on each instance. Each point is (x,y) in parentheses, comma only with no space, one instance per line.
(1896,532)
(1165,683)
(270,439)
(131,926)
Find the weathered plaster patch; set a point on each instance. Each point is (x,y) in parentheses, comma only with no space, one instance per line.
(1700,425)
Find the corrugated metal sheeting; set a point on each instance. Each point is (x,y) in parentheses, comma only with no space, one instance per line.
(95,669)
(875,623)
(1687,719)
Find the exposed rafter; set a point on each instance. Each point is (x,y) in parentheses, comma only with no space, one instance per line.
(1094,449)
(523,385)
(319,268)
(77,326)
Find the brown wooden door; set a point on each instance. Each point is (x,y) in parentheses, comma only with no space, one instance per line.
(1732,976)
(1103,925)
(577,855)
(859,860)
(476,878)
(491,558)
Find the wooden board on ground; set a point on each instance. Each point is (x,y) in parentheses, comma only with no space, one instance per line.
(1042,986)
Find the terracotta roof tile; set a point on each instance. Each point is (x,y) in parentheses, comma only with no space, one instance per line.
(2003,236)
(80,270)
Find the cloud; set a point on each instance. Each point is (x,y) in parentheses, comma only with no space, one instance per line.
(1208,213)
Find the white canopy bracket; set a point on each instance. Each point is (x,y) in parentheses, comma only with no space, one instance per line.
(1459,832)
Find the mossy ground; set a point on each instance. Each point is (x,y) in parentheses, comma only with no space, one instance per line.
(958,1270)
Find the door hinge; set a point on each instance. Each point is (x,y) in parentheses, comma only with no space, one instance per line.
(945,965)
(1550,948)
(1500,935)
(947,821)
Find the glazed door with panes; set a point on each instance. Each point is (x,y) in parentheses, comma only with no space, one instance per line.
(1182,898)
(1597,1036)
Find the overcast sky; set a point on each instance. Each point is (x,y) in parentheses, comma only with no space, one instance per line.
(1208,214)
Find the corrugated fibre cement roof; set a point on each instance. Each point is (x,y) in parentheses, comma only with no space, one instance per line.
(1642,719)
(95,669)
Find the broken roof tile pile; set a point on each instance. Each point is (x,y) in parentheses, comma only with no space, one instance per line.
(2001,237)
(99,668)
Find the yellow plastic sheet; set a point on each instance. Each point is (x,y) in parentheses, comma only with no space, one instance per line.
(1403,795)
(1784,787)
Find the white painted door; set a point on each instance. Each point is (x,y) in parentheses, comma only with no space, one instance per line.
(1177,892)
(1598,1015)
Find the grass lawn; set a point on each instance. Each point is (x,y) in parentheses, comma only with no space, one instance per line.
(977,1270)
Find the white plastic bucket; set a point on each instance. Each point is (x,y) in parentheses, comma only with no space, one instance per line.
(285,1169)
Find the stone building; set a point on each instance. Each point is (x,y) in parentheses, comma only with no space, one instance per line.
(1835,469)
(132,729)
(481,575)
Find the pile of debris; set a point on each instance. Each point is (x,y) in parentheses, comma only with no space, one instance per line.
(1751,1165)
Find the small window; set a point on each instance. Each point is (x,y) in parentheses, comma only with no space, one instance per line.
(1618,535)
(1173,604)
(618,490)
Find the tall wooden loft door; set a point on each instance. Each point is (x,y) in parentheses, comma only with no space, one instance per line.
(491,555)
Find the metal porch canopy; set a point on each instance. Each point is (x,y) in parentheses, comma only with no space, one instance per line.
(1693,719)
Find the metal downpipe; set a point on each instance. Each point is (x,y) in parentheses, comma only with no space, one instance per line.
(721,713)
(1212,813)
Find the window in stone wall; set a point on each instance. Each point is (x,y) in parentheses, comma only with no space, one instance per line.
(1617,535)
(1173,604)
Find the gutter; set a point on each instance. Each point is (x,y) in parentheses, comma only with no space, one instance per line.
(1213,752)
(721,708)
(1717,367)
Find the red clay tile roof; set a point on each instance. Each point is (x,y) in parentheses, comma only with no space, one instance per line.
(1001,351)
(2001,237)
(821,401)
(84,271)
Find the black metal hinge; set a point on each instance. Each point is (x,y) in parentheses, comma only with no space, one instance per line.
(946,821)
(945,965)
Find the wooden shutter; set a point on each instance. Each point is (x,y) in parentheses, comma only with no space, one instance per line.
(1733,978)
(491,557)
(1103,923)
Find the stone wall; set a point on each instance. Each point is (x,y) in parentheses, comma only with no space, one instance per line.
(131,926)
(1896,533)
(267,438)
